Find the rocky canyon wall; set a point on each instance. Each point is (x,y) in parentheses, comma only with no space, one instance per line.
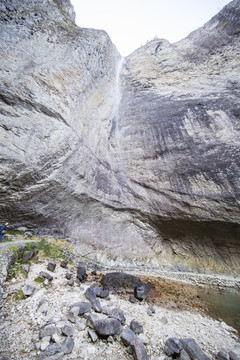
(138,166)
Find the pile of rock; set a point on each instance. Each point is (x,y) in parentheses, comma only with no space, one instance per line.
(188,349)
(57,337)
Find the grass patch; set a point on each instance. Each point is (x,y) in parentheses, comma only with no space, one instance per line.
(20,295)
(39,280)
(51,250)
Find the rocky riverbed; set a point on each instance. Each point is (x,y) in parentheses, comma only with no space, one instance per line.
(33,303)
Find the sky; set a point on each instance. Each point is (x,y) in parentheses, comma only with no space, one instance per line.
(131,23)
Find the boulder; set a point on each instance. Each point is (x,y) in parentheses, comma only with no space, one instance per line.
(84,307)
(234,355)
(46,275)
(143,338)
(68,330)
(96,305)
(104,294)
(64,264)
(117,280)
(68,345)
(222,356)
(53,349)
(117,314)
(72,314)
(28,290)
(30,255)
(138,349)
(127,336)
(51,266)
(69,276)
(93,336)
(132,299)
(150,310)
(107,327)
(70,282)
(173,347)
(193,349)
(81,273)
(49,330)
(96,290)
(25,267)
(28,234)
(90,295)
(136,327)
(141,291)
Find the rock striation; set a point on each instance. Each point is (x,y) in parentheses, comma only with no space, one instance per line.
(138,163)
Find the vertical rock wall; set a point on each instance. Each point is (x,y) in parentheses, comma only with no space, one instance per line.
(139,167)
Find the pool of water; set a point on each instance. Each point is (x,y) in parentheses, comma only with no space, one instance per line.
(223,305)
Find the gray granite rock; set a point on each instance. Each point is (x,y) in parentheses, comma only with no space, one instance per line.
(28,290)
(68,330)
(193,349)
(46,275)
(136,327)
(139,350)
(93,336)
(53,349)
(117,314)
(68,345)
(51,266)
(173,347)
(127,336)
(48,330)
(107,327)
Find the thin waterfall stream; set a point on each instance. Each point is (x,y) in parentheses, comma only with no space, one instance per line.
(118,96)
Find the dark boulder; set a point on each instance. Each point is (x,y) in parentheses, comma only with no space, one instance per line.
(222,356)
(127,336)
(68,330)
(81,273)
(119,280)
(141,291)
(96,290)
(173,347)
(68,345)
(30,255)
(90,295)
(104,294)
(53,349)
(136,327)
(117,314)
(51,266)
(69,276)
(193,349)
(64,264)
(107,327)
(84,307)
(138,349)
(46,275)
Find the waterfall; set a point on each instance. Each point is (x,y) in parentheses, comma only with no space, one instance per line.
(118,93)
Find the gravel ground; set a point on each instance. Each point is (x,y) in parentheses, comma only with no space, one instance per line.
(21,321)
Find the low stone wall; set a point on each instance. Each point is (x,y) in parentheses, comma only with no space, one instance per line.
(6,259)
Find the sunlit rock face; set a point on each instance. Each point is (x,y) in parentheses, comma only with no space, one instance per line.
(137,162)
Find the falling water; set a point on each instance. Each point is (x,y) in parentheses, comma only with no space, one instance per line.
(118,94)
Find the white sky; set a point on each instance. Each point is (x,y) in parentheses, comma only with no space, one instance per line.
(131,23)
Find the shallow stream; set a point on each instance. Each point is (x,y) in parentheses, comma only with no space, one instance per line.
(223,304)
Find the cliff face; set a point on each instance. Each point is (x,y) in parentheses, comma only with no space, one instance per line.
(148,174)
